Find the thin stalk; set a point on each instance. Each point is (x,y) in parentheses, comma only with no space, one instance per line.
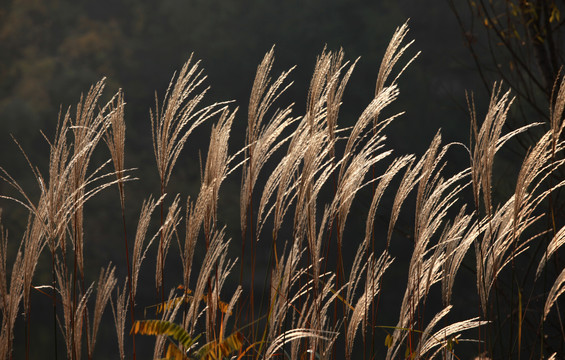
(326,256)
(373,308)
(27,333)
(497,302)
(84,312)
(161,239)
(251,313)
(252,290)
(78,249)
(132,312)
(86,323)
(271,304)
(130,285)
(243,240)
(316,285)
(54,295)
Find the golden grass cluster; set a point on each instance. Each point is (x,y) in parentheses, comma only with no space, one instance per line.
(319,304)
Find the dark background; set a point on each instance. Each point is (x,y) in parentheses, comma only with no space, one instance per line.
(52,51)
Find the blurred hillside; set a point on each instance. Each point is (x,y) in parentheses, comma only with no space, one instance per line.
(51,52)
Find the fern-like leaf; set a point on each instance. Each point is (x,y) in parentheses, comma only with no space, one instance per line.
(214,350)
(166,305)
(162,327)
(173,353)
